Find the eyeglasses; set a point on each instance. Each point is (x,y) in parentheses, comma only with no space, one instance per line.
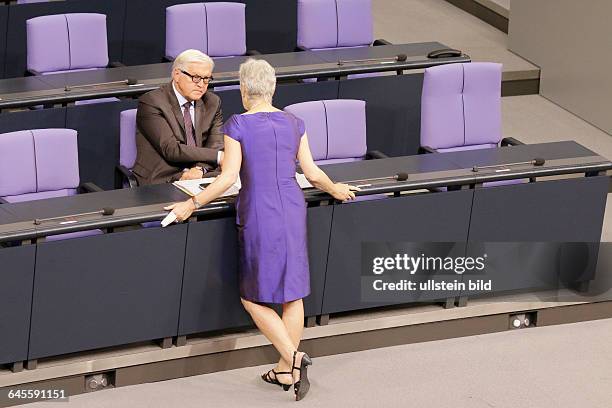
(196,78)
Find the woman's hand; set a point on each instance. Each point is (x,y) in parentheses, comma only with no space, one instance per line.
(183,210)
(344,192)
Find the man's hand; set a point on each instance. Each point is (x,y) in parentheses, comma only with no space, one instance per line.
(192,174)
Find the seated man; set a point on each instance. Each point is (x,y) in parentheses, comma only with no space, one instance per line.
(178,126)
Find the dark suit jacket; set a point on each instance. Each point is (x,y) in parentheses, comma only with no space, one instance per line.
(162,151)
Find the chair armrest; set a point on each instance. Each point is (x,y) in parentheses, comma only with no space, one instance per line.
(116,64)
(426,149)
(375,154)
(510,141)
(89,187)
(381,41)
(300,48)
(126,174)
(252,52)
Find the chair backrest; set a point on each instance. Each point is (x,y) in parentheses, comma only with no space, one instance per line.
(461,105)
(336,128)
(334,23)
(65,42)
(217,29)
(38,163)
(127,138)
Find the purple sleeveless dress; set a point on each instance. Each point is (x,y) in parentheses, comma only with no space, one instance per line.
(271,210)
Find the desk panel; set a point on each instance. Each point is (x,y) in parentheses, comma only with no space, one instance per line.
(98,127)
(556,211)
(211,298)
(107,290)
(435,217)
(393,109)
(33,119)
(16,280)
(16,50)
(286,94)
(3,24)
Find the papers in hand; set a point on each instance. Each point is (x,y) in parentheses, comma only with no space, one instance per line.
(170,218)
(195,187)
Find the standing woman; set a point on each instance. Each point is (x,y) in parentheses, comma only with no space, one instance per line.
(262,145)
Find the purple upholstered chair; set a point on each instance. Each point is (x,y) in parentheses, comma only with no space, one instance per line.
(127,148)
(31,1)
(333,24)
(217,29)
(461,108)
(38,164)
(127,155)
(336,132)
(336,129)
(66,43)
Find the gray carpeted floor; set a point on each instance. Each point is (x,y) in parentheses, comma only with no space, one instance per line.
(566,366)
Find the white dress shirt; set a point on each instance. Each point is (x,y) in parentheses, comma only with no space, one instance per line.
(182,101)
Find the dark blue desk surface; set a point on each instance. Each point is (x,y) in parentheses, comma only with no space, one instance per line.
(414,52)
(494,156)
(50,88)
(116,199)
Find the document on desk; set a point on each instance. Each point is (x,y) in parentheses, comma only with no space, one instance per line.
(194,187)
(303,181)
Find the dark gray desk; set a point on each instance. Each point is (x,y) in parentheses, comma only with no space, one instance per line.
(141,284)
(50,89)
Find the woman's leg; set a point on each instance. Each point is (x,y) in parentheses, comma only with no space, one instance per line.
(271,325)
(293,319)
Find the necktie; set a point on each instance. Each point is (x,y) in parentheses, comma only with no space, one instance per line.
(188,124)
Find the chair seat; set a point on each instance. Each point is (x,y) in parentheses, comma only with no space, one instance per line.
(95,101)
(335,161)
(226,88)
(72,235)
(467,147)
(64,71)
(40,195)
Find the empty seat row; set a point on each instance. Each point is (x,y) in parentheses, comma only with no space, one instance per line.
(78,41)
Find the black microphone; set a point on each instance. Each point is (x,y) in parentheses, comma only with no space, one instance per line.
(387,60)
(399,177)
(129,82)
(104,211)
(538,161)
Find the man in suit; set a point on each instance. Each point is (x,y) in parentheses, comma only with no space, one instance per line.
(178,126)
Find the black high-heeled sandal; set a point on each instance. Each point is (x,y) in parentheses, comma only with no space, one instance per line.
(274,380)
(301,386)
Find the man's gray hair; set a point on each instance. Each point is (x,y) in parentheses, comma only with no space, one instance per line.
(257,79)
(189,56)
